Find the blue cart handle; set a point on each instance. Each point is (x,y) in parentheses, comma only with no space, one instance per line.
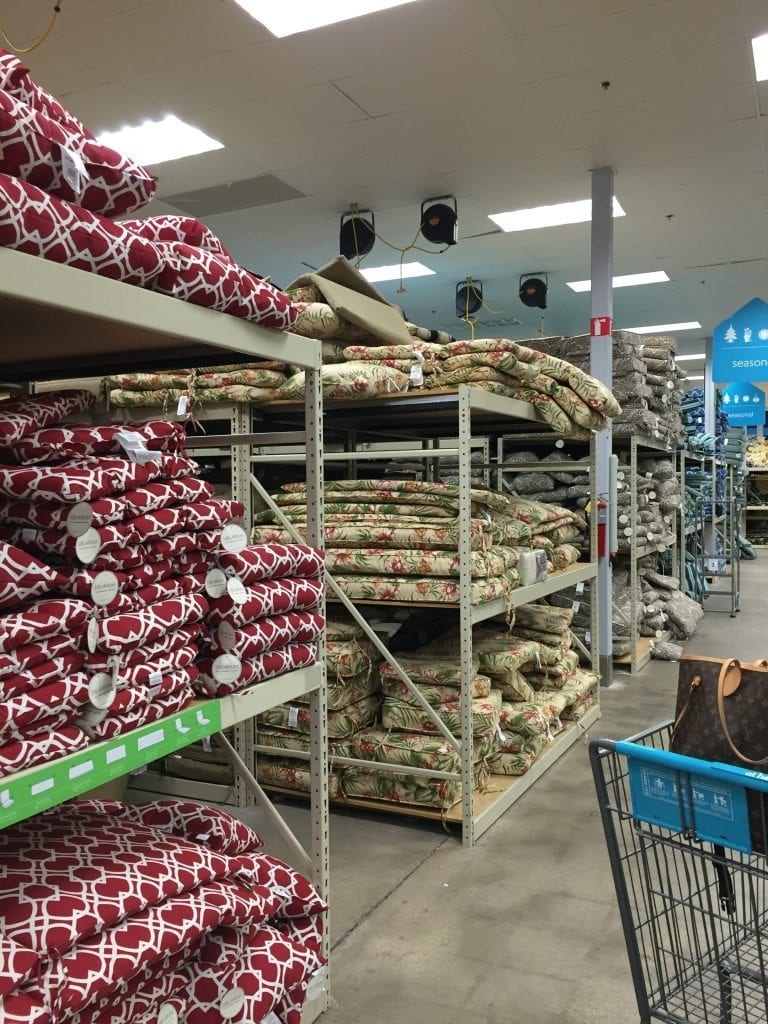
(747,777)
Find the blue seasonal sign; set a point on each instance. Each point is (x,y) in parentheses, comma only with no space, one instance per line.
(744,405)
(740,345)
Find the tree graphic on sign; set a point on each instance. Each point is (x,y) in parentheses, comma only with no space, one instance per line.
(730,334)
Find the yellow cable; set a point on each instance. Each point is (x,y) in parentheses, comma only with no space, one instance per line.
(28,49)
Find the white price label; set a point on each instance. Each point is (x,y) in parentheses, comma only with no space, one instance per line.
(215,583)
(580,588)
(28,535)
(183,407)
(588,637)
(293,717)
(232,1003)
(236,590)
(417,376)
(167,1014)
(226,668)
(88,545)
(575,606)
(73,170)
(226,635)
(101,691)
(233,538)
(105,588)
(133,445)
(79,519)
(92,636)
(155,679)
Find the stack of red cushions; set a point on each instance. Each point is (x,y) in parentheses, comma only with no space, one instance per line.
(267,621)
(133,536)
(111,912)
(60,189)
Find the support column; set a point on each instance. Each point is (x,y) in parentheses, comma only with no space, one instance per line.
(601,367)
(710,530)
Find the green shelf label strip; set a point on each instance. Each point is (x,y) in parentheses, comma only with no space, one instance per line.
(38,789)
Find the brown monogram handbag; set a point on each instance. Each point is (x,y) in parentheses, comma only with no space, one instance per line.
(722,715)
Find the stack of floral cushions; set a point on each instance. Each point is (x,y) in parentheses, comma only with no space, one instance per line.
(113,912)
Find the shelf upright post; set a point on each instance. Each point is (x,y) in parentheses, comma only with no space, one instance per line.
(240,418)
(318,704)
(465,615)
(633,577)
(601,367)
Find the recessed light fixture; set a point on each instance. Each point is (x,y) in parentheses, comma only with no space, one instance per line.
(695,376)
(625,281)
(550,216)
(760,53)
(689,325)
(154,142)
(690,359)
(395,272)
(287,17)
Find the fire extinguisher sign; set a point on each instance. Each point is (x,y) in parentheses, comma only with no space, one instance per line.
(601,326)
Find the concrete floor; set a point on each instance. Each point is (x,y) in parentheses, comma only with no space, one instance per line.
(522,929)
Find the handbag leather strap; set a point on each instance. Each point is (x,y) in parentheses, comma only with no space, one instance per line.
(722,688)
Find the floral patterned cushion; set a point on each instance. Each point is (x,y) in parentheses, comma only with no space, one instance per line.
(350,380)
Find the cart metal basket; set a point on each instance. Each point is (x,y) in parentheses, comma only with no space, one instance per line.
(692,894)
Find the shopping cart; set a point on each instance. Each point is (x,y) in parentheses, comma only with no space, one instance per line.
(692,894)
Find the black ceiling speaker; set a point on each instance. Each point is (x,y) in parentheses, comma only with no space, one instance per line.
(357,234)
(440,220)
(469,298)
(533,292)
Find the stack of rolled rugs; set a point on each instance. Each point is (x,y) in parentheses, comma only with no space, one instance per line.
(658,499)
(235,382)
(397,540)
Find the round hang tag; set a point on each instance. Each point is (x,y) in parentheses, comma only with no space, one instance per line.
(236,590)
(167,1014)
(559,443)
(227,668)
(79,519)
(101,691)
(226,635)
(233,538)
(215,583)
(88,545)
(92,636)
(104,588)
(232,1003)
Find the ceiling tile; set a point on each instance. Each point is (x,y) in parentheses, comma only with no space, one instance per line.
(405,34)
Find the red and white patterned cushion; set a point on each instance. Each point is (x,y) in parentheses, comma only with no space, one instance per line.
(184,490)
(171,228)
(22,576)
(121,722)
(41,620)
(62,544)
(273,561)
(15,79)
(25,658)
(134,600)
(270,597)
(137,697)
(267,634)
(295,896)
(40,675)
(197,823)
(33,222)
(53,444)
(17,963)
(143,666)
(145,574)
(165,550)
(35,148)
(209,279)
(135,629)
(20,417)
(40,749)
(262,667)
(27,713)
(207,515)
(52,515)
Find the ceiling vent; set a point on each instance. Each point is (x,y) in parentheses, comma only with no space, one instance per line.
(236,195)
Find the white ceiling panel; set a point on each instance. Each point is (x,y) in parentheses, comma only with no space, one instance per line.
(524,16)
(403,35)
(476,75)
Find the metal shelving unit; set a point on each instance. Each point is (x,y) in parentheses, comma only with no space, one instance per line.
(639,448)
(71,321)
(469,414)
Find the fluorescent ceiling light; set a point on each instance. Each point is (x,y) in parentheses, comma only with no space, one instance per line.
(689,325)
(625,281)
(690,359)
(695,376)
(286,17)
(760,53)
(550,216)
(154,142)
(395,272)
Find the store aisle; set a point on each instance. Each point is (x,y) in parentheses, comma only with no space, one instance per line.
(522,930)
